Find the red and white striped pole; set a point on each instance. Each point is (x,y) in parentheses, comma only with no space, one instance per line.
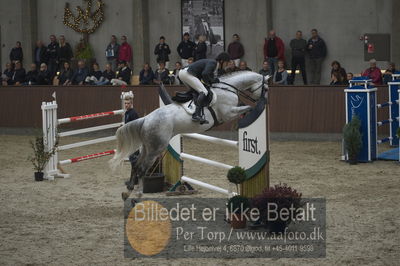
(91,116)
(87,157)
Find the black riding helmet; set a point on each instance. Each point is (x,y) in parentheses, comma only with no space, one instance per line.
(224,57)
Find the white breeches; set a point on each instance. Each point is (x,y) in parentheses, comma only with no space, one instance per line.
(191,81)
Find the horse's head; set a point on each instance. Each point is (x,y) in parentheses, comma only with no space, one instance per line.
(259,86)
(247,82)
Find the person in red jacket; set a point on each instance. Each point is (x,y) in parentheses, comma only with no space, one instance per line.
(274,50)
(373,73)
(125,51)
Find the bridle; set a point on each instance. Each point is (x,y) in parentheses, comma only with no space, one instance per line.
(240,93)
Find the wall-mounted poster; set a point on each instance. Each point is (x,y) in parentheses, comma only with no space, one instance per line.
(205,19)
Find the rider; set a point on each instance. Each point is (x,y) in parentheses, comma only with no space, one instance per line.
(203,69)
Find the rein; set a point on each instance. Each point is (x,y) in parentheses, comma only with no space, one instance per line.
(240,93)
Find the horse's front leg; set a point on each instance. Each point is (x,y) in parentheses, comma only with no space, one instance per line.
(239,110)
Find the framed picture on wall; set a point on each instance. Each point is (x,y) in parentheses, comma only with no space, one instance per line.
(204,19)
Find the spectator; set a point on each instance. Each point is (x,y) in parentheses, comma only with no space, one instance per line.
(243,66)
(16,53)
(146,76)
(131,115)
(200,51)
(112,51)
(18,77)
(231,67)
(336,67)
(123,75)
(280,75)
(108,75)
(317,50)
(44,76)
(161,75)
(178,67)
(299,48)
(373,73)
(336,79)
(125,51)
(190,60)
(235,49)
(79,76)
(162,51)
(387,76)
(52,54)
(186,49)
(32,76)
(265,70)
(7,74)
(40,54)
(95,76)
(66,75)
(350,76)
(65,53)
(274,50)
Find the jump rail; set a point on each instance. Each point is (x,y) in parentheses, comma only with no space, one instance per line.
(50,124)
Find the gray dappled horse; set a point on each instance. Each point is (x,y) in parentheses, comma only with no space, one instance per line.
(152,133)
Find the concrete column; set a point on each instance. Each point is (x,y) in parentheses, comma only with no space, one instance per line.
(140,41)
(29,30)
(268,12)
(395,38)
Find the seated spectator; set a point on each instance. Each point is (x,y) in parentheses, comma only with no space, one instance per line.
(44,76)
(336,79)
(387,76)
(280,75)
(7,74)
(350,76)
(107,75)
(175,73)
(79,76)
(123,75)
(65,77)
(243,66)
(146,76)
(16,53)
(162,74)
(265,70)
(190,60)
(373,73)
(95,75)
(18,77)
(32,76)
(231,67)
(336,67)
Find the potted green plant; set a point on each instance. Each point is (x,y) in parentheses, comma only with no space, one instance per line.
(237,176)
(237,207)
(282,197)
(353,139)
(40,156)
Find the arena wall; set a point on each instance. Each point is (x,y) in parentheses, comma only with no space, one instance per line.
(292,109)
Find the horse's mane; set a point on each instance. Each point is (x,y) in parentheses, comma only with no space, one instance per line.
(236,73)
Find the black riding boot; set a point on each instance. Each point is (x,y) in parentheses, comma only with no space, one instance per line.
(198,115)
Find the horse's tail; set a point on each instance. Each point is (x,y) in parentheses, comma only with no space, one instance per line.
(128,141)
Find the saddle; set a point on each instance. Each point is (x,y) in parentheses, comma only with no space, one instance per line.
(184,97)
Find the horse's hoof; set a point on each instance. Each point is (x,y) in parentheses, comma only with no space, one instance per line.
(130,187)
(125,195)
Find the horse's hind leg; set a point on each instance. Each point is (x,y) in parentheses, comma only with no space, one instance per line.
(136,169)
